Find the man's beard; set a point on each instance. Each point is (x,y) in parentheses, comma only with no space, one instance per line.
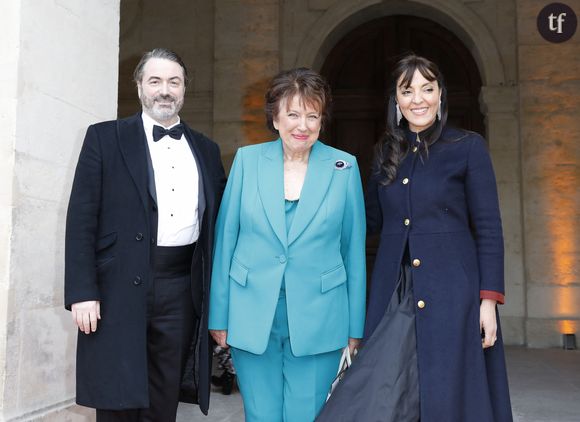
(162,113)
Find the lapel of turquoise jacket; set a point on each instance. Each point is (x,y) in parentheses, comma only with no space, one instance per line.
(271,187)
(318,178)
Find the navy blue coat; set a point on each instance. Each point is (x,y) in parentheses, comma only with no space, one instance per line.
(445,207)
(110,229)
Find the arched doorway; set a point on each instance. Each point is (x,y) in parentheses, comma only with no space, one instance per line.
(357,70)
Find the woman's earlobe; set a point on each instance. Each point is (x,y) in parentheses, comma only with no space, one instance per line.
(399,114)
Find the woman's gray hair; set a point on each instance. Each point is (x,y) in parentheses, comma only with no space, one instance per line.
(159,53)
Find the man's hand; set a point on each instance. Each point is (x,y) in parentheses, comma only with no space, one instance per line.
(220,337)
(488,322)
(86,314)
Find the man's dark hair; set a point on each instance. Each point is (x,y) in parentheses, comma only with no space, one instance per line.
(159,53)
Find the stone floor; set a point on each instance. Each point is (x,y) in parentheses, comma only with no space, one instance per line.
(544,384)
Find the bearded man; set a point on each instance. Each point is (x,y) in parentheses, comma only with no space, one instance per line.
(139,240)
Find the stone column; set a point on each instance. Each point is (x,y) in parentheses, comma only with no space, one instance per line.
(500,106)
(59,61)
(246,57)
(550,130)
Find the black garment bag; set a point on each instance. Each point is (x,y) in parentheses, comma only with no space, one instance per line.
(382,384)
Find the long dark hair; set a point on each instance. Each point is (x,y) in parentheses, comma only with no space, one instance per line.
(393,145)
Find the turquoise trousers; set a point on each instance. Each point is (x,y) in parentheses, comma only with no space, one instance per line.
(277,386)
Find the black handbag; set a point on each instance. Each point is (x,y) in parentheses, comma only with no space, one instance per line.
(382,384)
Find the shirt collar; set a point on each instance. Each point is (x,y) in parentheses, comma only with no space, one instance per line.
(149,122)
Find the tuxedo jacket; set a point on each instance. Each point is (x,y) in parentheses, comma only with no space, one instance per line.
(110,232)
(321,257)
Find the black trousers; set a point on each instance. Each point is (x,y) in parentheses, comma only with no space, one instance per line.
(171,322)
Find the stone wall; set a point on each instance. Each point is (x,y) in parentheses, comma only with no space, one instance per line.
(247,49)
(549,85)
(59,74)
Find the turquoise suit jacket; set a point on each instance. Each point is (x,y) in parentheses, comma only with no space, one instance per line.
(321,258)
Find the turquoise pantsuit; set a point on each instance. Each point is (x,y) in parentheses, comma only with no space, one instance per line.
(286,387)
(320,258)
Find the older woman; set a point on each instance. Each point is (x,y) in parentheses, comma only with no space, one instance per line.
(432,336)
(288,283)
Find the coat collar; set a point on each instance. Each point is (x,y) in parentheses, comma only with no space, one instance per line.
(271,188)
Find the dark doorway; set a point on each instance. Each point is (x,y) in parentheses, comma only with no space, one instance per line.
(357,70)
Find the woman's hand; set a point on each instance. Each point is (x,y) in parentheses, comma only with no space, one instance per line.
(488,322)
(353,344)
(220,337)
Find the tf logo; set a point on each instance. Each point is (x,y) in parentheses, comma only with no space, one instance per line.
(557,22)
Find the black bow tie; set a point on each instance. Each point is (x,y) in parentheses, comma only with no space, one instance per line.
(175,132)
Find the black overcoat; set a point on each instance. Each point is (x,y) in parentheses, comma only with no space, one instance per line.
(109,236)
(445,207)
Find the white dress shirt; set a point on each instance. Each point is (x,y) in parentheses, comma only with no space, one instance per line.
(176,186)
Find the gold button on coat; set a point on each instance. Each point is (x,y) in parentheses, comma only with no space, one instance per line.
(405,181)
(414,149)
(420,304)
(407,222)
(416,262)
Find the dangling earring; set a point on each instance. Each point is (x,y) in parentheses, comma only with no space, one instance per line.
(439,110)
(399,115)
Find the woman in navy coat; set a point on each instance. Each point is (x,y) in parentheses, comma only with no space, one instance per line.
(432,196)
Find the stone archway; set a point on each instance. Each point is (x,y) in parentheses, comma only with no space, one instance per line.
(343,17)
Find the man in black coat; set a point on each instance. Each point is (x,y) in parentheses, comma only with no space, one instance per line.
(139,240)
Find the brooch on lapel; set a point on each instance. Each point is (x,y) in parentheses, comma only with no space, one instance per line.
(342,165)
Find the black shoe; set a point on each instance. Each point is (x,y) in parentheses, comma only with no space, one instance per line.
(227,383)
(217,381)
